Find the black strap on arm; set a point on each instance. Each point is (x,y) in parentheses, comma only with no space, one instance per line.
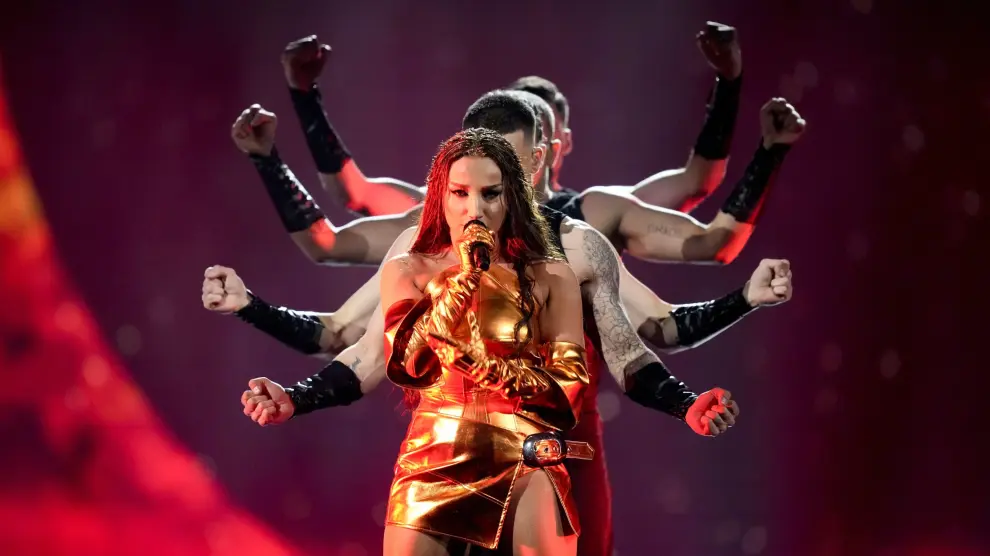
(335,385)
(293,203)
(328,150)
(715,139)
(653,386)
(296,329)
(746,198)
(699,322)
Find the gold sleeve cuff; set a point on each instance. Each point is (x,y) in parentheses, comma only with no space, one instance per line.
(566,372)
(550,384)
(450,302)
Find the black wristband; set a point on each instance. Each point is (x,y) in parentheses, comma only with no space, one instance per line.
(747,196)
(715,140)
(297,330)
(698,322)
(293,203)
(335,385)
(653,386)
(329,152)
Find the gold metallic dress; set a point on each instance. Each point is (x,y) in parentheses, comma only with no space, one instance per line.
(479,398)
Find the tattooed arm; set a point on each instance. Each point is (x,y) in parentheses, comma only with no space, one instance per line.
(366,358)
(638,370)
(359,368)
(656,234)
(344,381)
(596,264)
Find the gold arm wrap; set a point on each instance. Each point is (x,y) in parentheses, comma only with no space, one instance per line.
(411,364)
(565,365)
(450,301)
(554,379)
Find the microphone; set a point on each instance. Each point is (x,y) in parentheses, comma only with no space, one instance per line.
(480,257)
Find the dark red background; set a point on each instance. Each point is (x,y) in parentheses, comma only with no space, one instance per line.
(863,399)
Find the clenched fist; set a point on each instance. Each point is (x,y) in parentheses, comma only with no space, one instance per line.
(770,283)
(223,290)
(712,413)
(303,62)
(266,402)
(254,131)
(780,123)
(720,45)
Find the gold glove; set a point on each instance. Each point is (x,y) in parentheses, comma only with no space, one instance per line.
(473,234)
(452,300)
(450,303)
(551,384)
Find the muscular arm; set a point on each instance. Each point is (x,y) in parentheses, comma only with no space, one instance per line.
(657,234)
(324,334)
(685,188)
(339,173)
(660,235)
(367,357)
(674,328)
(681,189)
(638,371)
(371,196)
(649,314)
(621,348)
(362,241)
(353,373)
(357,370)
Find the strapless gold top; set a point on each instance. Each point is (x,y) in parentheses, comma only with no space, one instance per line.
(463,450)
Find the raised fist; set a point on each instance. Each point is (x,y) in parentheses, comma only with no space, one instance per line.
(770,283)
(254,131)
(266,402)
(780,123)
(303,62)
(720,45)
(223,290)
(712,413)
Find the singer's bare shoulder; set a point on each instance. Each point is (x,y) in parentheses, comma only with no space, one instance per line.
(418,267)
(403,263)
(401,278)
(406,264)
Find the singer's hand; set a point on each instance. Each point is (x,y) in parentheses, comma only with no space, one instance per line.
(474,234)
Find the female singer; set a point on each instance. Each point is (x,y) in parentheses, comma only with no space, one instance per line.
(484,332)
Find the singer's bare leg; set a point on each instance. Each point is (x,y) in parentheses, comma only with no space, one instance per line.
(400,541)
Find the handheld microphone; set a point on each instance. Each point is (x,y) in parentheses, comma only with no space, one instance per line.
(480,256)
